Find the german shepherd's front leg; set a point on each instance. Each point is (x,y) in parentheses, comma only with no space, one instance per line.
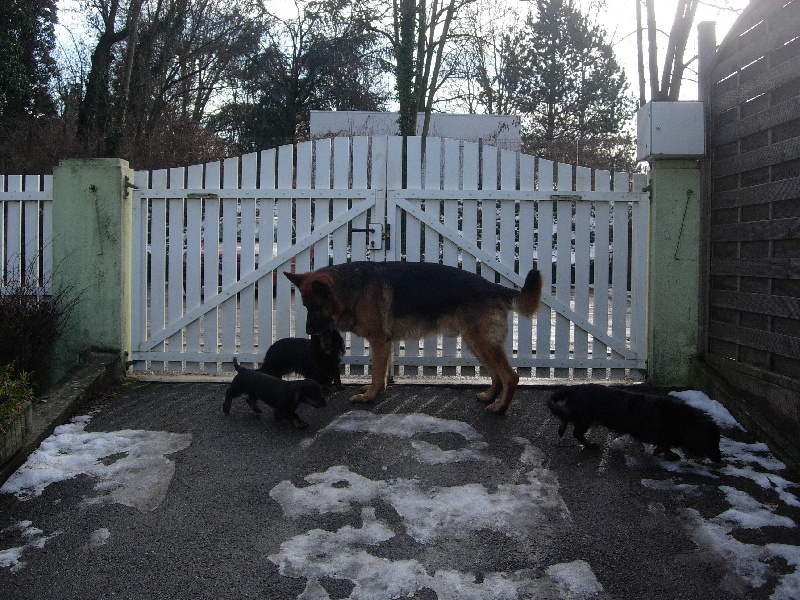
(381,359)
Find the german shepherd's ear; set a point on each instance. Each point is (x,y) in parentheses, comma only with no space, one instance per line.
(321,288)
(296,278)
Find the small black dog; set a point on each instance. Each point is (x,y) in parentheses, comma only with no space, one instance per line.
(661,420)
(282,396)
(318,358)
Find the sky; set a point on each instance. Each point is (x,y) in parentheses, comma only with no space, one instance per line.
(432,513)
(618,18)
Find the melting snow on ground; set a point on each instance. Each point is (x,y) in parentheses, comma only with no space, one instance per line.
(756,565)
(31,538)
(431,514)
(131,467)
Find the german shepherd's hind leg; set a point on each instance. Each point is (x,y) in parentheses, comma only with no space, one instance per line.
(504,378)
(493,392)
(381,362)
(484,332)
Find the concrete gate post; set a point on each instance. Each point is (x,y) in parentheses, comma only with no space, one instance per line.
(671,137)
(92,231)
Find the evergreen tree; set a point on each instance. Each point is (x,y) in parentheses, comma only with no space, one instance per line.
(575,92)
(27,37)
(325,59)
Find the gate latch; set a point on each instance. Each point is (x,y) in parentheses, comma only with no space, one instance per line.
(374,235)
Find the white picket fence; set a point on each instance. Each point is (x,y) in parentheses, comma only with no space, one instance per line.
(214,239)
(211,242)
(26,225)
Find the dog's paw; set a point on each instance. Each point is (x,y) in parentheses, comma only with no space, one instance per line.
(363,398)
(668,454)
(488,396)
(299,423)
(497,408)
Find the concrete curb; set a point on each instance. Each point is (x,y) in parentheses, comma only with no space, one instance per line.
(98,371)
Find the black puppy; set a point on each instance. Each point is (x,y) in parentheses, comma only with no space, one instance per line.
(282,396)
(318,358)
(661,420)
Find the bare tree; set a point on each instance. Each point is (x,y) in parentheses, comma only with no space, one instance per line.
(93,116)
(420,35)
(667,86)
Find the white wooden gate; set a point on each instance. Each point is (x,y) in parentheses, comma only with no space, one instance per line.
(213,240)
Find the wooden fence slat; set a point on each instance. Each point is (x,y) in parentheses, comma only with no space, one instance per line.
(564,230)
(302,227)
(212,275)
(640,241)
(527,258)
(175,259)
(583,217)
(601,288)
(545,253)
(250,232)
(284,225)
(450,251)
(194,257)
(14,266)
(619,277)
(508,230)
(470,208)
(432,181)
(360,240)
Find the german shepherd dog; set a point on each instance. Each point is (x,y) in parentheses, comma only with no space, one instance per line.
(661,420)
(385,302)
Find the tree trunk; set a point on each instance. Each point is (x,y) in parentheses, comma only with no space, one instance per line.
(432,85)
(114,140)
(404,54)
(93,116)
(640,54)
(652,41)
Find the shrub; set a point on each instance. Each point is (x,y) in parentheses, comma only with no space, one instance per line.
(30,323)
(14,393)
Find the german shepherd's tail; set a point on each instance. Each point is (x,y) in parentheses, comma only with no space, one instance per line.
(531,294)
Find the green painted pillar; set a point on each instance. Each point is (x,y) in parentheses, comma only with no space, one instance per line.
(92,229)
(673,275)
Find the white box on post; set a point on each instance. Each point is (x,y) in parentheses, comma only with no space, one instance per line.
(670,130)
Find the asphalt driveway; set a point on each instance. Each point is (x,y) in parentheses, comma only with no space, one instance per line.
(157,494)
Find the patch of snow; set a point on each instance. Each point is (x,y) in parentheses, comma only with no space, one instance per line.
(32,538)
(131,467)
(431,514)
